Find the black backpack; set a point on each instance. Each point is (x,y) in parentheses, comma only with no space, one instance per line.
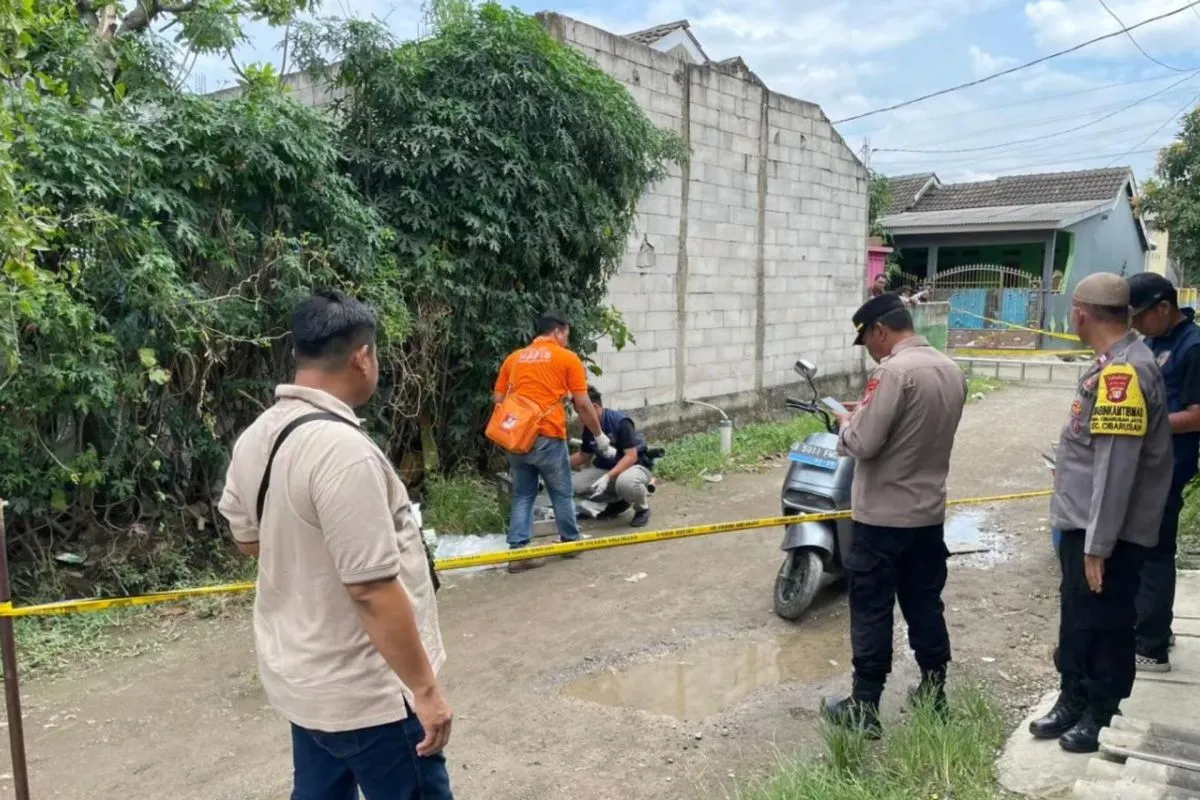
(266,479)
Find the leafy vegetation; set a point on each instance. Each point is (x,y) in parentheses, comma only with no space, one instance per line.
(690,458)
(154,242)
(978,385)
(1173,196)
(922,757)
(879,197)
(464,503)
(510,168)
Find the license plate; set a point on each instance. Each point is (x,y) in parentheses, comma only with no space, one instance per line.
(820,457)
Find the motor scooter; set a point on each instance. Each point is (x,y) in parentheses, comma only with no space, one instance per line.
(818,481)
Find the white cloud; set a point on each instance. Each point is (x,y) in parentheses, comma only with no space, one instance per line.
(984,63)
(1059,24)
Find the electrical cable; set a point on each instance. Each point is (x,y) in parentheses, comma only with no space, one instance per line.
(1025,102)
(1018,67)
(1141,49)
(1166,122)
(1043,137)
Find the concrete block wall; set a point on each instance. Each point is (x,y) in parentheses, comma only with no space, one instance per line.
(747,257)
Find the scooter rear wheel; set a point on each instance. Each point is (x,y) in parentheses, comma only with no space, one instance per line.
(797,583)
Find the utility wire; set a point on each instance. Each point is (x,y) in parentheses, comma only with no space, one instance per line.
(1044,136)
(1166,122)
(1036,122)
(1023,167)
(1027,101)
(1141,49)
(1018,67)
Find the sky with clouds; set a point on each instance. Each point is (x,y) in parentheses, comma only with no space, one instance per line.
(1106,105)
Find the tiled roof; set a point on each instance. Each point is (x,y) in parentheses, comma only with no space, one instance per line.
(903,190)
(1026,190)
(652,35)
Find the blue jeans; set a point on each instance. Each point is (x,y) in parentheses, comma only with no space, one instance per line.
(550,460)
(381,761)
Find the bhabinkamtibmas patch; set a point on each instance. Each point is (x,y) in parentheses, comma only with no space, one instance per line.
(1120,408)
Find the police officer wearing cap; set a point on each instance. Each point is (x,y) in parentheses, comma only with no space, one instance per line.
(1112,475)
(1172,335)
(900,436)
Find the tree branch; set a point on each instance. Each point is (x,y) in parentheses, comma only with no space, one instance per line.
(140,17)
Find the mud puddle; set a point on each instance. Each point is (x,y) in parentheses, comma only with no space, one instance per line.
(974,540)
(717,674)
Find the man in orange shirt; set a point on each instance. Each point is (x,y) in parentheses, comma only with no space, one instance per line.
(547,373)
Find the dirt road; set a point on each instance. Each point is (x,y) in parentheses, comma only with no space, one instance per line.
(578,681)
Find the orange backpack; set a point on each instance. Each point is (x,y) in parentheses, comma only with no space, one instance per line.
(514,424)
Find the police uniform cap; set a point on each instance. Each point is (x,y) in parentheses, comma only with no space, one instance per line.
(871,311)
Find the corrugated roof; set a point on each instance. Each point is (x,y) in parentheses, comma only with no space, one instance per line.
(903,190)
(1037,215)
(1023,190)
(652,35)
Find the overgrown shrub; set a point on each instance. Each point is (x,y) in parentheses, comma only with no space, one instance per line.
(510,168)
(155,241)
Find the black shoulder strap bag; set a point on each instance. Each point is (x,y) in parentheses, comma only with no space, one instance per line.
(266,478)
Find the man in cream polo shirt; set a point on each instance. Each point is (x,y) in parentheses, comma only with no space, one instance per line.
(345,619)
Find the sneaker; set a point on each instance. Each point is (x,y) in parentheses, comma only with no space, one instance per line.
(613,510)
(1148,664)
(641,518)
(517,567)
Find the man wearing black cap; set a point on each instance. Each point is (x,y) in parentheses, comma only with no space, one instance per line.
(900,436)
(1172,335)
(1111,479)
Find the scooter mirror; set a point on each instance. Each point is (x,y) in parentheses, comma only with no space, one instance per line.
(805,368)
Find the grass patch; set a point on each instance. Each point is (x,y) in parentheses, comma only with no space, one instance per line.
(462,503)
(977,385)
(699,454)
(919,757)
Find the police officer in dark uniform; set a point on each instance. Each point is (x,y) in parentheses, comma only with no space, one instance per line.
(1173,336)
(1112,474)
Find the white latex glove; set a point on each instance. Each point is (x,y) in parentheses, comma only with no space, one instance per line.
(600,487)
(604,447)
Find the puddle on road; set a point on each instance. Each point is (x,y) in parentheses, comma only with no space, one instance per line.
(716,674)
(975,541)
(964,532)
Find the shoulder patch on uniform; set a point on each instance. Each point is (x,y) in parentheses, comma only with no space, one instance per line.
(872,385)
(1120,405)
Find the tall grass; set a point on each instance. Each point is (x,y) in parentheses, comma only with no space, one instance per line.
(920,758)
(463,503)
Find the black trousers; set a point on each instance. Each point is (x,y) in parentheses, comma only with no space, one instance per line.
(890,564)
(1096,631)
(1156,591)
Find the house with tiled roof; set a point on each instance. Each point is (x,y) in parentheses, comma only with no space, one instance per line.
(1041,233)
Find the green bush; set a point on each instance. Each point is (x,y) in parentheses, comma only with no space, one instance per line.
(156,240)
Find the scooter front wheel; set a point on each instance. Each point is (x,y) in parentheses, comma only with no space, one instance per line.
(797,583)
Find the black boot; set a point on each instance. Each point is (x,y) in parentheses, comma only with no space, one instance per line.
(931,690)
(1084,736)
(859,711)
(1067,711)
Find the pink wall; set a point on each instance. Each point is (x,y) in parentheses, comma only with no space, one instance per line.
(876,261)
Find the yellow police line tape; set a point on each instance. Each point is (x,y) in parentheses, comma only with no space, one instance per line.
(1070,337)
(486,559)
(1007,352)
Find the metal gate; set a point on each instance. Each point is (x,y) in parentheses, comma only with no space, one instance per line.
(986,296)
